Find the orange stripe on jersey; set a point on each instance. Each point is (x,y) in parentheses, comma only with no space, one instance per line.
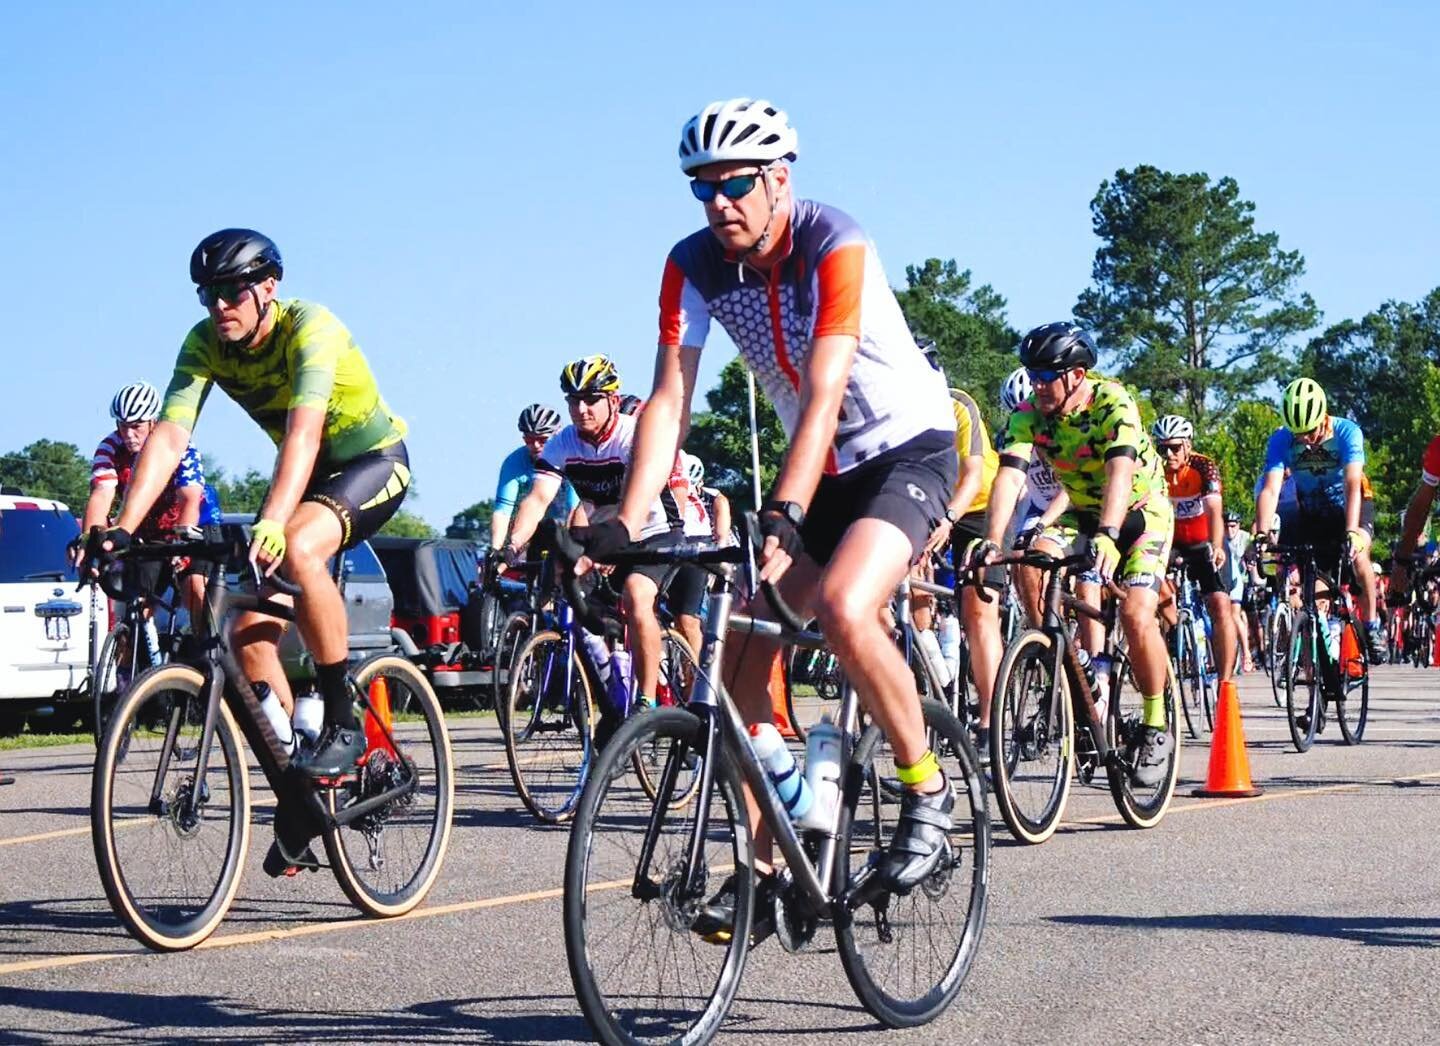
(777,329)
(671,286)
(840,274)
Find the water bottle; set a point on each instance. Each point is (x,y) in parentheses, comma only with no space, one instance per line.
(275,712)
(822,774)
(152,642)
(1087,666)
(785,775)
(1100,664)
(599,652)
(620,684)
(950,643)
(930,651)
(309,717)
(1332,638)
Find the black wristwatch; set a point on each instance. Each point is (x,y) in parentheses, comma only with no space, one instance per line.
(951,517)
(791,510)
(1113,533)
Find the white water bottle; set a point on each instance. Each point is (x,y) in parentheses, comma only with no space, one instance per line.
(599,652)
(822,774)
(275,712)
(785,775)
(949,629)
(930,651)
(309,717)
(1332,638)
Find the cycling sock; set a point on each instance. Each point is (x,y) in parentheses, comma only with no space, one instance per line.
(646,701)
(1154,713)
(923,770)
(339,709)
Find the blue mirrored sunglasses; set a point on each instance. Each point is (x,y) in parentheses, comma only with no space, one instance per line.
(736,187)
(1044,375)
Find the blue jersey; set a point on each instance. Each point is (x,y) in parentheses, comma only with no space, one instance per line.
(517,475)
(1318,469)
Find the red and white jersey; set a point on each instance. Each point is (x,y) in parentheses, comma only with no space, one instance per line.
(597,471)
(1430,465)
(829,281)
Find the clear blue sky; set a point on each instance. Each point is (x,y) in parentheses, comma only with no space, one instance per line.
(481,192)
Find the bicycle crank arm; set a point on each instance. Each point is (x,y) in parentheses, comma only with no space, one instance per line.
(365,806)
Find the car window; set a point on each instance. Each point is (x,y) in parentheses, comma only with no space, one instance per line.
(361,564)
(32,545)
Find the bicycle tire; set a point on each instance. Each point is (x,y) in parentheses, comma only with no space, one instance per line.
(871,930)
(1182,664)
(1209,675)
(1302,700)
(789,655)
(678,669)
(128,824)
(1140,806)
(1280,643)
(1024,726)
(601,918)
(549,776)
(1352,711)
(396,882)
(512,636)
(105,691)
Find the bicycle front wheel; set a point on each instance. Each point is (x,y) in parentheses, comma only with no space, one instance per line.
(640,972)
(111,675)
(677,675)
(169,847)
(906,956)
(547,726)
(512,637)
(387,859)
(1142,806)
(1183,666)
(1279,655)
(1032,746)
(1302,696)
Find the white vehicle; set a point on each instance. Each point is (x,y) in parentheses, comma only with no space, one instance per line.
(44,642)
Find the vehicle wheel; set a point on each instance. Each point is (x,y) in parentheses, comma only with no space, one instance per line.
(512,637)
(1183,667)
(1302,698)
(387,860)
(1032,743)
(1141,806)
(548,724)
(170,873)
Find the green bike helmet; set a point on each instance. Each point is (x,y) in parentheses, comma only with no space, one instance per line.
(1303,407)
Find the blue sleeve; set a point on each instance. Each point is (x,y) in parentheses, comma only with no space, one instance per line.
(1277,451)
(572,499)
(507,493)
(1349,442)
(191,472)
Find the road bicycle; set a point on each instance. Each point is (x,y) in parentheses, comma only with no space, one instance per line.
(639,870)
(1041,693)
(1189,643)
(170,796)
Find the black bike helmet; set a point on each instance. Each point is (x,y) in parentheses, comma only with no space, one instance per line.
(1058,346)
(235,254)
(539,420)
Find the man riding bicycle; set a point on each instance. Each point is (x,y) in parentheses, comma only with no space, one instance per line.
(341,471)
(1417,514)
(1193,481)
(1088,428)
(871,463)
(1335,510)
(537,423)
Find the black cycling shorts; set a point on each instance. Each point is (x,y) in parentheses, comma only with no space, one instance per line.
(1324,530)
(907,486)
(971,527)
(364,492)
(1201,567)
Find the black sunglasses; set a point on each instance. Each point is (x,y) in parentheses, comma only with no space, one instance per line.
(587,398)
(229,291)
(736,187)
(1170,448)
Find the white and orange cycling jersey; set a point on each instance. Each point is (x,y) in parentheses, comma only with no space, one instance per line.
(828,281)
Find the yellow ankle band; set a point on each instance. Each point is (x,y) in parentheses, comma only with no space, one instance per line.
(923,769)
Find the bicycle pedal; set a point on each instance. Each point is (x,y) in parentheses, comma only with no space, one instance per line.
(349,777)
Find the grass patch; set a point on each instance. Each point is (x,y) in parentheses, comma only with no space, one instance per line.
(29,740)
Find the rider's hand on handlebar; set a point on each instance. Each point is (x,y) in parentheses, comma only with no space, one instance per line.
(267,545)
(599,541)
(940,536)
(1105,555)
(781,547)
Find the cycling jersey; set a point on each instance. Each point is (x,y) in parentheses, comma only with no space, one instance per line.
(1078,445)
(1286,504)
(972,439)
(114,466)
(597,471)
(309,360)
(1430,464)
(828,281)
(1319,469)
(1190,486)
(517,473)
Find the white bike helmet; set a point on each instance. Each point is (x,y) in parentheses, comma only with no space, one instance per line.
(138,401)
(694,468)
(1171,426)
(1016,389)
(740,130)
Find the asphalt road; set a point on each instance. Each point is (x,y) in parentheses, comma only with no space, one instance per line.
(1310,915)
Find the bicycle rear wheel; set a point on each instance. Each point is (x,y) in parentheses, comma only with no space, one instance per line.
(1302,697)
(1183,667)
(547,726)
(906,956)
(117,666)
(1353,708)
(170,874)
(677,675)
(512,637)
(1142,806)
(1280,642)
(640,972)
(387,860)
(1032,746)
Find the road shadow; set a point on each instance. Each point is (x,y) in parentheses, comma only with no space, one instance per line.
(1377,931)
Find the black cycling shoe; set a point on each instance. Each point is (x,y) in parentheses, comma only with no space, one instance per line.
(336,750)
(716,922)
(982,746)
(290,852)
(1378,647)
(1153,760)
(921,838)
(606,727)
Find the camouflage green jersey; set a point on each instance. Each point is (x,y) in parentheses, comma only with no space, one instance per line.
(1077,446)
(309,360)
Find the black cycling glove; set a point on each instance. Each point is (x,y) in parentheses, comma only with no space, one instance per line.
(773,524)
(603,539)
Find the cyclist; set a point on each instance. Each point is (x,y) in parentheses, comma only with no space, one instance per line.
(1417,514)
(1088,428)
(340,473)
(537,423)
(594,454)
(717,505)
(1326,455)
(800,291)
(1235,578)
(1193,481)
(186,501)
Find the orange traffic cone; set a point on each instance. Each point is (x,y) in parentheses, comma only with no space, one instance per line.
(1350,652)
(779,713)
(379,713)
(1229,775)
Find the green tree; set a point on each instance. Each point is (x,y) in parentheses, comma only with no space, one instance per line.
(720,437)
(967,325)
(47,469)
(405,524)
(1237,445)
(473,523)
(239,494)
(1198,306)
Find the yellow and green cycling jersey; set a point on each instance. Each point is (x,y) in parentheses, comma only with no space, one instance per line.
(972,440)
(309,360)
